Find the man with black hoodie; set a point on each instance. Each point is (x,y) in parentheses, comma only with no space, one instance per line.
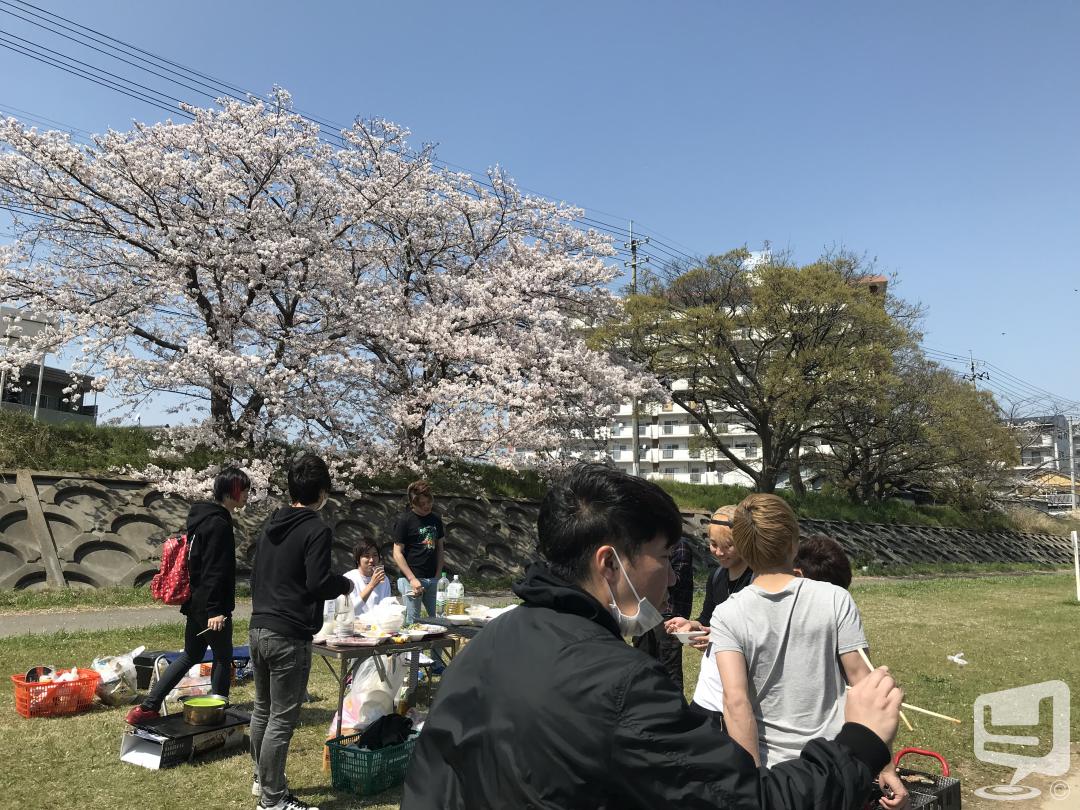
(548,707)
(290,580)
(212,573)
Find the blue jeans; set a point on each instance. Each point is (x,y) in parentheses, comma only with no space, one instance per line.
(281,666)
(412,603)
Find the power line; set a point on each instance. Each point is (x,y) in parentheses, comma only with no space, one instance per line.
(154,64)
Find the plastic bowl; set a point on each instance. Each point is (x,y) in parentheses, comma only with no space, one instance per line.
(691,635)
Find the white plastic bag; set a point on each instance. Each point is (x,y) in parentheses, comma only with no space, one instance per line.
(119,681)
(370,697)
(192,684)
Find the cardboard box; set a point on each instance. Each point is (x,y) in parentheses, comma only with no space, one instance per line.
(170,741)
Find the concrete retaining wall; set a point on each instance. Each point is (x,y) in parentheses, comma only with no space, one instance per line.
(58,529)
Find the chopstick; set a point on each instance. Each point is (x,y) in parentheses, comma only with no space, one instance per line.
(207,630)
(866,660)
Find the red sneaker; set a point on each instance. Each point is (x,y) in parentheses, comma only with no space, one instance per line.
(141,715)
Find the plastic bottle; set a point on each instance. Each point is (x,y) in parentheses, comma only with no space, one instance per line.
(440,595)
(455,597)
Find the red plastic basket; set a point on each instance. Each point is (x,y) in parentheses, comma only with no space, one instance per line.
(53,699)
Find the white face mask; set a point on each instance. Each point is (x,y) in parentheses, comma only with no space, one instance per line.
(647,616)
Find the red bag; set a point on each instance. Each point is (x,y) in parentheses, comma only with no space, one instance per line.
(172,583)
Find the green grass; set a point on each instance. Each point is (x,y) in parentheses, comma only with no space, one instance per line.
(1014,630)
(74,762)
(57,599)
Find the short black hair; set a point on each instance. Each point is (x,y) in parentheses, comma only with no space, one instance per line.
(309,478)
(365,547)
(231,481)
(594,505)
(822,558)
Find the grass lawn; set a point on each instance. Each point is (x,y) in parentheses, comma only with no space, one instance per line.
(1014,630)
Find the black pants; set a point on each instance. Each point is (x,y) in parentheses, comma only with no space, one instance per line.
(220,641)
(666,649)
(697,708)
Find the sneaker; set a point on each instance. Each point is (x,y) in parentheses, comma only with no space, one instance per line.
(256,788)
(290,802)
(140,715)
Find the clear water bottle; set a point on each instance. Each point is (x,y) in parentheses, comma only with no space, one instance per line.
(455,597)
(440,595)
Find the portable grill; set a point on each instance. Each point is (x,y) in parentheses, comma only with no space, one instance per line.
(944,789)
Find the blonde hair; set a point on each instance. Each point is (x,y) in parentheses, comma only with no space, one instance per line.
(765,531)
(725,511)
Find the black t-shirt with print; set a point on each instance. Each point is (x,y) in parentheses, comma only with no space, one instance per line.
(418,535)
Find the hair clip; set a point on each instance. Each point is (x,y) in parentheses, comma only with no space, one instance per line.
(719,522)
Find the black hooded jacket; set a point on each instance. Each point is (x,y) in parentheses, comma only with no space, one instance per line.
(291,577)
(211,561)
(549,708)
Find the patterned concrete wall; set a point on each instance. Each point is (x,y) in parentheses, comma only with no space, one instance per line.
(101,532)
(92,532)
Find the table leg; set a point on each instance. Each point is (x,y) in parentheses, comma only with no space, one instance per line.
(341,694)
(414,669)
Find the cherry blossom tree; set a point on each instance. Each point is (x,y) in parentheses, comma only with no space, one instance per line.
(355,297)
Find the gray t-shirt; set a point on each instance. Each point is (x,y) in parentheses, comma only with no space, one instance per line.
(791,640)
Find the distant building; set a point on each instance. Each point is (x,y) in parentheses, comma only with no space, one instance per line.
(1043,473)
(21,391)
(54,406)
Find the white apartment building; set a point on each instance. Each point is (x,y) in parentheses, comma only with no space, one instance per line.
(671,444)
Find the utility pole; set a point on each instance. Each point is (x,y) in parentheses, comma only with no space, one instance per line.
(633,263)
(973,376)
(1072,465)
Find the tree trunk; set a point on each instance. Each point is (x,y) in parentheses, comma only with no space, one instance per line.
(795,470)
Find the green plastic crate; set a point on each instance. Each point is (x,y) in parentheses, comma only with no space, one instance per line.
(364,772)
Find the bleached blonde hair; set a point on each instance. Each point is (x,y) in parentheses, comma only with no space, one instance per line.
(765,531)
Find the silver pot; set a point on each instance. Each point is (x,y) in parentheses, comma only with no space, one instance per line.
(204,711)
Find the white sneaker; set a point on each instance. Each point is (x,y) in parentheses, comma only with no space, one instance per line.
(256,788)
(290,802)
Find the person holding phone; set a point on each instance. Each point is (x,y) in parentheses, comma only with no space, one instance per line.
(370,585)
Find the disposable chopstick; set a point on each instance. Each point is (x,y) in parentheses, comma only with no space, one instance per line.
(903,717)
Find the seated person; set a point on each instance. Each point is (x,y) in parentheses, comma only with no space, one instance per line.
(370,585)
(777,642)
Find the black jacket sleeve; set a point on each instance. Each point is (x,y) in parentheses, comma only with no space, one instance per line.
(216,550)
(665,756)
(710,603)
(320,581)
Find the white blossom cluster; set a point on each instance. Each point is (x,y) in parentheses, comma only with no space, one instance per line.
(358,299)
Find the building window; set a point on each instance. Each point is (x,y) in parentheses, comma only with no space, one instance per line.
(669,406)
(668,428)
(669,473)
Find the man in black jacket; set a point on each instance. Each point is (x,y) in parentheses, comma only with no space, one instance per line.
(548,707)
(290,580)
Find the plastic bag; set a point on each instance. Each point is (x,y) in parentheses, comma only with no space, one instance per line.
(369,697)
(193,683)
(119,682)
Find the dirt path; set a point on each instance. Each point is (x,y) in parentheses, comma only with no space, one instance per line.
(18,624)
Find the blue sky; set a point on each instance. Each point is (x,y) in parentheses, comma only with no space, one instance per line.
(940,138)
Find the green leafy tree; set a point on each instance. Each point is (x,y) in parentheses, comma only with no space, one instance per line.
(921,427)
(770,341)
